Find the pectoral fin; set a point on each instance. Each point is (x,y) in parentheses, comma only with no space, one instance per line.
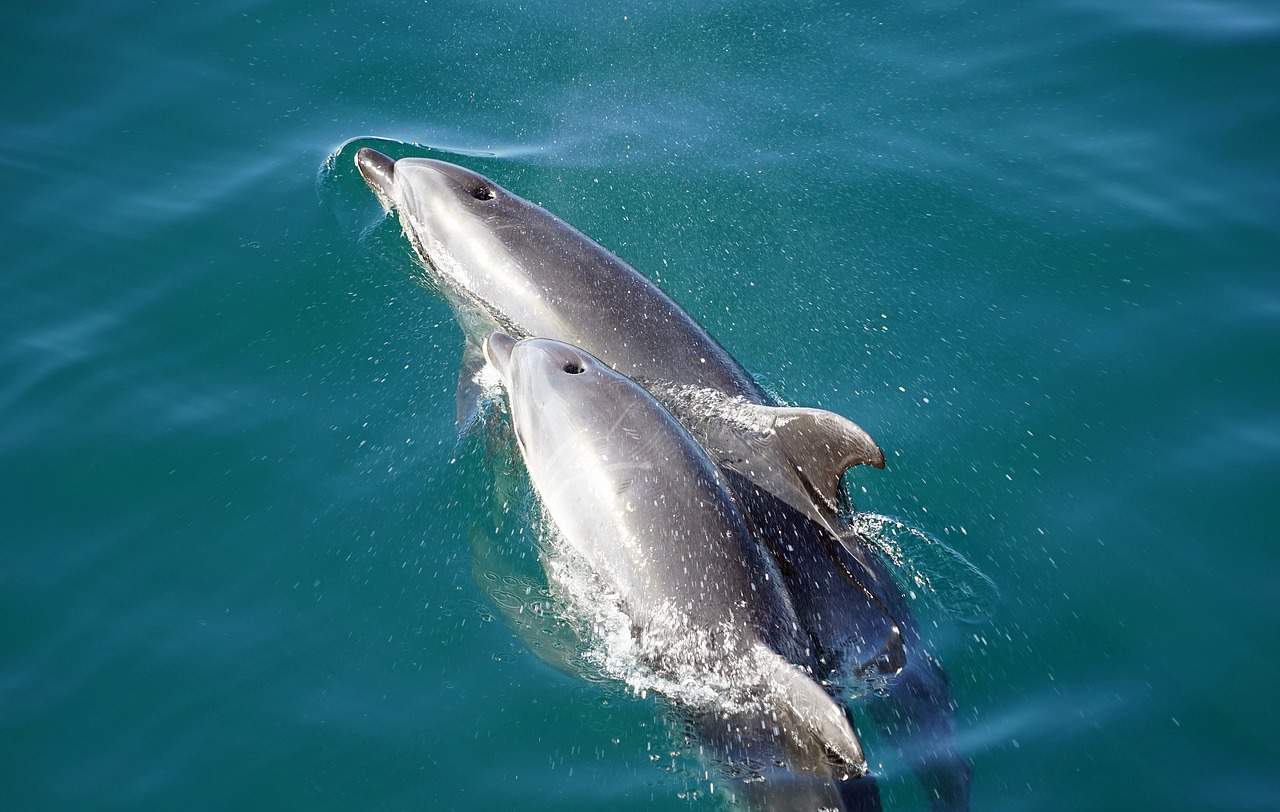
(466,399)
(803,703)
(823,445)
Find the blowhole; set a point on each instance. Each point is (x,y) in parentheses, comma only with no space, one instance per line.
(574,368)
(482,193)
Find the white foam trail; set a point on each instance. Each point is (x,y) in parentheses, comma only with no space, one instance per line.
(693,667)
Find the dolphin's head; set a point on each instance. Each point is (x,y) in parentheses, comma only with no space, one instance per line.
(456,219)
(540,366)
(415,182)
(552,386)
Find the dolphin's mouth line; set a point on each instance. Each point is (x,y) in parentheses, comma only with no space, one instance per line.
(384,199)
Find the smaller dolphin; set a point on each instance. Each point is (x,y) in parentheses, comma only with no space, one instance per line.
(635,496)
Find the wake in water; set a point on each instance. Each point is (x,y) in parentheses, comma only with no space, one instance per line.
(931,573)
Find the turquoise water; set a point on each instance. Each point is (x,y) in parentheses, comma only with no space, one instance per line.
(248,564)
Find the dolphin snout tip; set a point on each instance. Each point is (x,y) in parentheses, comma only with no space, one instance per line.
(497,351)
(378,170)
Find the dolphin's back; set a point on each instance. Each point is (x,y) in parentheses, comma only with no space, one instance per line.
(593,299)
(635,493)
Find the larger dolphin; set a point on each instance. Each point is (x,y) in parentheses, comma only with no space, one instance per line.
(508,264)
(503,257)
(637,498)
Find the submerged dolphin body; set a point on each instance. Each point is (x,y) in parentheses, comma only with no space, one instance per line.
(637,498)
(505,263)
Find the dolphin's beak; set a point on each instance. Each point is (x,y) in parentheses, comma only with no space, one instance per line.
(378,171)
(497,351)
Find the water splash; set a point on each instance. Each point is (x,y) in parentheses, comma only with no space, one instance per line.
(700,409)
(929,570)
(691,667)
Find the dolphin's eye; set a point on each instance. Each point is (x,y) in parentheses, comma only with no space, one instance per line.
(482,192)
(574,368)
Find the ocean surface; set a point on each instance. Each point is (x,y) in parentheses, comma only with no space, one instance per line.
(247,563)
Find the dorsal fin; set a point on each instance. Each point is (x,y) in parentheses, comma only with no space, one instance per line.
(823,445)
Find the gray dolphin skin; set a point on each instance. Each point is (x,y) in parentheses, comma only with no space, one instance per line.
(507,264)
(532,274)
(535,272)
(636,496)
